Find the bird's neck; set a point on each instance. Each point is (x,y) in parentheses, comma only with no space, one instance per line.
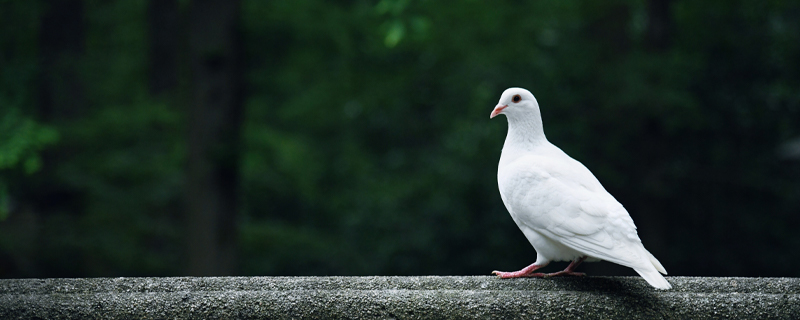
(525,131)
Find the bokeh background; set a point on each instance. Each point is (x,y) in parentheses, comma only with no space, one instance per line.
(221,137)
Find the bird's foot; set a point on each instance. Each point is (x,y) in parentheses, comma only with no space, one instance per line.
(517,274)
(564,273)
(569,270)
(526,272)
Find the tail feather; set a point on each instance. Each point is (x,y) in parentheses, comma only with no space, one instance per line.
(652,272)
(654,278)
(655,262)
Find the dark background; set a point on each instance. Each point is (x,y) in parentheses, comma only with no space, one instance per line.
(219,137)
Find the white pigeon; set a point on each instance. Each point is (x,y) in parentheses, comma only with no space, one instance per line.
(562,209)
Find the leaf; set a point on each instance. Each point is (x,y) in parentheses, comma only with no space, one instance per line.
(396,32)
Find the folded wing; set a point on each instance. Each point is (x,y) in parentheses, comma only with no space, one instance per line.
(565,203)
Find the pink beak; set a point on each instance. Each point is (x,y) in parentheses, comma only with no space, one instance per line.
(497,110)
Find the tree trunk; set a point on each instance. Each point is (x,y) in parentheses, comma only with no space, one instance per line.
(61,44)
(163,30)
(215,114)
(660,25)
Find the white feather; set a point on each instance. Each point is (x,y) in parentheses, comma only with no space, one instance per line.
(557,202)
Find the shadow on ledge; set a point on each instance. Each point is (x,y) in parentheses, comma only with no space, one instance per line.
(398,297)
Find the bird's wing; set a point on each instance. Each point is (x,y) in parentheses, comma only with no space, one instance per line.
(563,201)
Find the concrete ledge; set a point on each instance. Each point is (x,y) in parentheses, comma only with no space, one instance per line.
(398,297)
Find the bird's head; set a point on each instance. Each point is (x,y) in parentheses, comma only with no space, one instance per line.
(515,101)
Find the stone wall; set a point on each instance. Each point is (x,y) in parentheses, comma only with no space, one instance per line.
(470,297)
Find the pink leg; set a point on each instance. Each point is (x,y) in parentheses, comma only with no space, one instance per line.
(569,271)
(526,272)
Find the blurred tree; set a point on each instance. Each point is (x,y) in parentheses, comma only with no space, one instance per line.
(164,30)
(365,146)
(660,24)
(214,121)
(62,37)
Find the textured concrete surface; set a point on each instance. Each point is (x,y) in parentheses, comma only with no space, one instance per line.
(471,297)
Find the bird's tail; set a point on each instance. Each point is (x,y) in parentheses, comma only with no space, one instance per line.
(651,273)
(655,262)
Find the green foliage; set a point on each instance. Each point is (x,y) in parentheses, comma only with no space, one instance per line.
(379,140)
(366,143)
(21,137)
(21,140)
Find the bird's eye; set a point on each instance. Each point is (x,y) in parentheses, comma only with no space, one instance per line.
(516,98)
